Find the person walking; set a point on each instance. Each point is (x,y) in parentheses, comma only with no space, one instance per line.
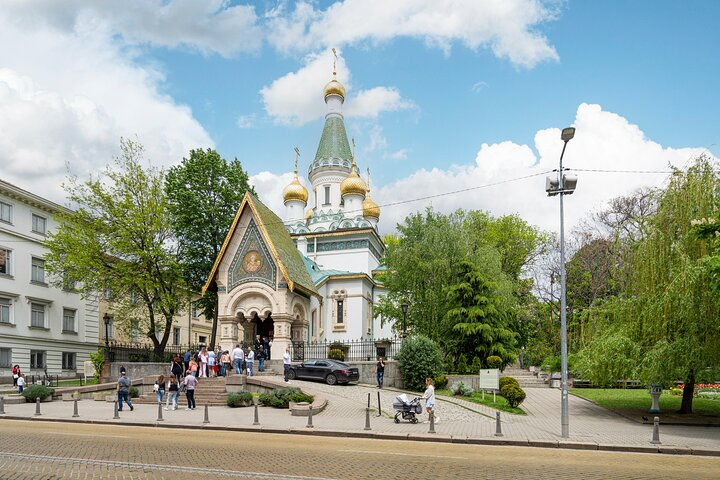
(380,372)
(237,357)
(212,369)
(20,383)
(249,360)
(123,390)
(203,362)
(186,359)
(176,368)
(159,388)
(286,364)
(429,397)
(173,389)
(190,384)
(16,374)
(261,358)
(225,363)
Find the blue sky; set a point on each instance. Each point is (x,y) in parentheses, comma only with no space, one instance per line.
(442,95)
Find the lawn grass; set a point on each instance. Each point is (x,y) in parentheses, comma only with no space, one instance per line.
(500,402)
(639,400)
(76,382)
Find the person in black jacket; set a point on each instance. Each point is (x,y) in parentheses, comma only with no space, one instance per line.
(177,368)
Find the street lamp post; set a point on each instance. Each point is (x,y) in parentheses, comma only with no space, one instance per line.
(563,185)
(106,319)
(404,307)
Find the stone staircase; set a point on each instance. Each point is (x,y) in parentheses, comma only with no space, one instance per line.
(209,390)
(526,378)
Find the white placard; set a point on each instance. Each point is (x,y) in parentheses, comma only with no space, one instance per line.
(490,379)
(88,368)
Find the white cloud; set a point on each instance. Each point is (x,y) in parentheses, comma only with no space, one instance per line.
(209,26)
(69,97)
(399,155)
(296,98)
(478,86)
(245,121)
(269,187)
(604,140)
(508,28)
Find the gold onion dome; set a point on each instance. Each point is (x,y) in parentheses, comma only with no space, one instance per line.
(295,191)
(334,88)
(370,208)
(308,214)
(353,184)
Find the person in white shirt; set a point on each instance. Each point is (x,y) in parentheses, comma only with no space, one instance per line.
(429,397)
(286,364)
(249,361)
(20,383)
(237,358)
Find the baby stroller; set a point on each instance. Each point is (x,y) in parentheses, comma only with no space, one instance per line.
(406,408)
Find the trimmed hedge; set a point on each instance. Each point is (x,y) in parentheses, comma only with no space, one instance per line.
(336,354)
(33,392)
(441,381)
(134,392)
(508,381)
(494,361)
(239,399)
(281,397)
(513,394)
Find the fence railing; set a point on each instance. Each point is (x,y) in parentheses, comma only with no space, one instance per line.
(139,352)
(353,350)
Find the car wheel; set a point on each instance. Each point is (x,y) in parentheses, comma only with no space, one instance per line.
(331,379)
(292,374)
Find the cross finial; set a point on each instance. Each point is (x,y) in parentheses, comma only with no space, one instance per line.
(297,155)
(353,151)
(368,185)
(334,61)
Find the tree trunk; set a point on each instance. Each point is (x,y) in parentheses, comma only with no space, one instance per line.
(213,335)
(687,398)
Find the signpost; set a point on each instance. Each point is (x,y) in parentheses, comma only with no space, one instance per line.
(489,380)
(88,370)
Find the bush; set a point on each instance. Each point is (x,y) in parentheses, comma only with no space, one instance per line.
(239,399)
(462,365)
(98,360)
(336,354)
(33,392)
(418,359)
(459,388)
(513,394)
(551,364)
(281,397)
(441,381)
(508,381)
(134,393)
(476,366)
(494,361)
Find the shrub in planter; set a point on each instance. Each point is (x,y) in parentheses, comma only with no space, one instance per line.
(336,354)
(134,393)
(239,399)
(441,381)
(494,361)
(281,397)
(513,394)
(301,397)
(33,392)
(508,381)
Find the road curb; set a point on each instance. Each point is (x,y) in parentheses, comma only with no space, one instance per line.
(439,438)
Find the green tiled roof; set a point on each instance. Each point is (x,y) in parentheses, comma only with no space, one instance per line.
(287,251)
(318,275)
(334,141)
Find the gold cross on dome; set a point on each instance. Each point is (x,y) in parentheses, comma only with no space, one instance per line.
(334,61)
(297,155)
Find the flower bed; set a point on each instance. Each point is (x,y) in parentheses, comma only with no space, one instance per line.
(702,390)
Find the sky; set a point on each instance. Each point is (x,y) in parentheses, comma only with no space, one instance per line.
(453,104)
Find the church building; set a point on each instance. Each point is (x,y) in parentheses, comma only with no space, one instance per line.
(312,276)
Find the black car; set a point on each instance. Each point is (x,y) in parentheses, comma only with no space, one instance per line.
(330,371)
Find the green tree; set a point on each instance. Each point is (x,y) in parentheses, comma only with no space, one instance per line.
(119,239)
(204,193)
(479,316)
(419,358)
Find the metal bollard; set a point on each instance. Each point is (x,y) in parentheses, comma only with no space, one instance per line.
(160,418)
(379,408)
(257,419)
(2,405)
(367,419)
(116,416)
(656,431)
(432,422)
(309,424)
(207,415)
(498,426)
(37,407)
(75,408)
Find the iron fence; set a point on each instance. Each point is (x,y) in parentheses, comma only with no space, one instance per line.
(140,352)
(353,350)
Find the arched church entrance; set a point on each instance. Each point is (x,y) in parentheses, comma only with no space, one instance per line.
(264,327)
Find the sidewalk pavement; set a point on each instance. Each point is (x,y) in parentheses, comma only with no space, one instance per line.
(591,427)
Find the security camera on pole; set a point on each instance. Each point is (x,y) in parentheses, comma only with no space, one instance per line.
(563,185)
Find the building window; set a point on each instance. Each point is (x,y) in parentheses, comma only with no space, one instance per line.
(110,330)
(5,261)
(39,224)
(37,315)
(313,323)
(5,310)
(176,336)
(37,359)
(202,339)
(6,211)
(68,320)
(340,312)
(38,270)
(5,358)
(68,360)
(327,195)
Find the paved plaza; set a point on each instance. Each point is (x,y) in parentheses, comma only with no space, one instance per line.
(591,426)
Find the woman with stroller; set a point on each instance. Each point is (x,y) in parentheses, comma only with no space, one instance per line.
(429,397)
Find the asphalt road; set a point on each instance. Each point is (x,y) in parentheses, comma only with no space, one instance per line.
(48,450)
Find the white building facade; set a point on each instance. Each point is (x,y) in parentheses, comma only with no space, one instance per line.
(43,329)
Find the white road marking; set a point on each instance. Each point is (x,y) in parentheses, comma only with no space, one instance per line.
(402,454)
(86,435)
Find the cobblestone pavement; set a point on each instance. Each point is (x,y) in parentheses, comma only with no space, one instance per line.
(50,450)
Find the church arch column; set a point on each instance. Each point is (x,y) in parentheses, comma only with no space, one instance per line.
(281,341)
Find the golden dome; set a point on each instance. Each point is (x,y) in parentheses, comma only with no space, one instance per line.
(353,184)
(308,214)
(370,208)
(295,191)
(334,88)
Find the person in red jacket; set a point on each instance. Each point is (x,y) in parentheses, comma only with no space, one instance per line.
(16,373)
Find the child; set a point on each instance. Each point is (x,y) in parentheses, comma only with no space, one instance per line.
(20,383)
(159,388)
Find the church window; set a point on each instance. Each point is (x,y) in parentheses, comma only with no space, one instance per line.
(340,311)
(327,195)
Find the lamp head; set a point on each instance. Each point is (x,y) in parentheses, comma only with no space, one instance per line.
(404,307)
(567,134)
(106,318)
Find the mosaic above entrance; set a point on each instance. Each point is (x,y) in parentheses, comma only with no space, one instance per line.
(252,261)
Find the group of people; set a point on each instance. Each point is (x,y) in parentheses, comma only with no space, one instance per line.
(172,385)
(18,379)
